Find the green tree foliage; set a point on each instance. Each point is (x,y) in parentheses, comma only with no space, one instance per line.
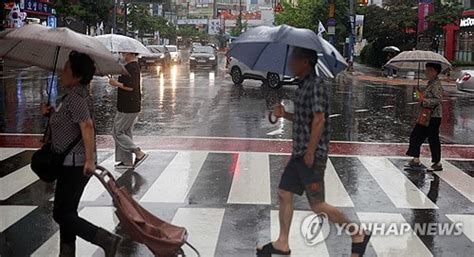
(189,31)
(445,13)
(141,20)
(394,24)
(91,12)
(308,13)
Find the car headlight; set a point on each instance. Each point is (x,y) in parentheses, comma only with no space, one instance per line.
(192,58)
(212,58)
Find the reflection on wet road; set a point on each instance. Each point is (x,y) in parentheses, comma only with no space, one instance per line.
(204,102)
(224,190)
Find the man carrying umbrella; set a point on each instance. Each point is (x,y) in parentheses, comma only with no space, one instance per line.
(128,108)
(305,170)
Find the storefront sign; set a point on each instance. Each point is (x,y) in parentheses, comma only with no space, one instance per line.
(214,26)
(466,22)
(193,22)
(36,6)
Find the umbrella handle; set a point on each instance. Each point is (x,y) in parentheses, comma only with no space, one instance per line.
(270,118)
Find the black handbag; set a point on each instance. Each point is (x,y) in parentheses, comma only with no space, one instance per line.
(46,163)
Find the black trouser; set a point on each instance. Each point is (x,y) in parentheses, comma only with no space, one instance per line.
(69,188)
(419,135)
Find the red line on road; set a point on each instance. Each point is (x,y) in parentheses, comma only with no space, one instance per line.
(248,145)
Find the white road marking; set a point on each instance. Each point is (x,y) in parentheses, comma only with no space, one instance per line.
(297,244)
(402,192)
(181,174)
(406,244)
(203,226)
(251,181)
(12,213)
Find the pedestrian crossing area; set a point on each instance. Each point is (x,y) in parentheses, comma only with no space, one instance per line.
(228,203)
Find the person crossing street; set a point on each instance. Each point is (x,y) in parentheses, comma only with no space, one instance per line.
(305,170)
(128,108)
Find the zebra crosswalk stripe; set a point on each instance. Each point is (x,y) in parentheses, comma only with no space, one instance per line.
(97,215)
(12,213)
(402,192)
(203,226)
(406,244)
(335,192)
(6,153)
(16,181)
(298,246)
(251,181)
(467,221)
(181,173)
(456,178)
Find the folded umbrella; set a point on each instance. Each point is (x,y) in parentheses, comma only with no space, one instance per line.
(269,48)
(49,48)
(122,44)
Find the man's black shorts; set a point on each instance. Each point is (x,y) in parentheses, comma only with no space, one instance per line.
(298,178)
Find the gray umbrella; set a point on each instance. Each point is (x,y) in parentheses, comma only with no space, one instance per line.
(268,48)
(49,48)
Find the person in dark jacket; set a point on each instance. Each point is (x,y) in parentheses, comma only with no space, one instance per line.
(128,107)
(70,120)
(430,97)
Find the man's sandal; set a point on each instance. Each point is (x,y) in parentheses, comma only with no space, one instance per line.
(359,248)
(268,250)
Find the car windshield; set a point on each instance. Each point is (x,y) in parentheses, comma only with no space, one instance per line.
(155,49)
(207,50)
(172,48)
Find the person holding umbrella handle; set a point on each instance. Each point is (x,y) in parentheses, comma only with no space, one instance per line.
(429,120)
(304,172)
(70,122)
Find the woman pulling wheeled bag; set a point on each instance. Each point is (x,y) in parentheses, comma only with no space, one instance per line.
(71,153)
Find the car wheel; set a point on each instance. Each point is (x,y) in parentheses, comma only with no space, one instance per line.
(273,80)
(236,75)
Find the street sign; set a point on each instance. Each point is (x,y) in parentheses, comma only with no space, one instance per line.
(52,21)
(331,22)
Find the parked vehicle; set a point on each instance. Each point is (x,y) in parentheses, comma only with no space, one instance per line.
(174,53)
(203,56)
(160,56)
(240,72)
(466,81)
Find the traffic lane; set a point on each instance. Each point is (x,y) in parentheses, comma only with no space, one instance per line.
(204,102)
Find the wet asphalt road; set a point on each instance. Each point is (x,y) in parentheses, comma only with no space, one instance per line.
(204,102)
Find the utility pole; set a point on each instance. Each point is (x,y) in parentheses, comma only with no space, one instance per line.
(125,17)
(114,18)
(352,34)
(240,16)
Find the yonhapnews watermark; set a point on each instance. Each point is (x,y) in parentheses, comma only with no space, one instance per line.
(315,228)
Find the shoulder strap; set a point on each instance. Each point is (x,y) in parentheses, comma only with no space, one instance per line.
(73,144)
